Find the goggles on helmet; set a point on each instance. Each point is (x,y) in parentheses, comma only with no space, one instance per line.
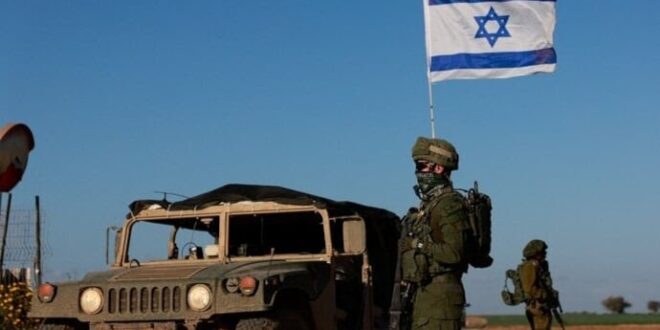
(423,166)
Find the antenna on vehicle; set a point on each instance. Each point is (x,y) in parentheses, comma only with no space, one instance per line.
(165,193)
(270,260)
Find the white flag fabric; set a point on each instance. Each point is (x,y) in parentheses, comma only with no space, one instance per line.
(473,39)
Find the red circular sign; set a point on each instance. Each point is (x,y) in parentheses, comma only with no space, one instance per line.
(16,142)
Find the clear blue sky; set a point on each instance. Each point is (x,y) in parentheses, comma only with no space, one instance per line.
(129,97)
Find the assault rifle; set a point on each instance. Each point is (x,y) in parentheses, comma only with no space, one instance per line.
(557,316)
(403,293)
(401,315)
(557,310)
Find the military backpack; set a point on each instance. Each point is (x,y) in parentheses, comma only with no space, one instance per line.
(479,212)
(518,295)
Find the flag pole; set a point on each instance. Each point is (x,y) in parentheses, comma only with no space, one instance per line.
(428,66)
(431,109)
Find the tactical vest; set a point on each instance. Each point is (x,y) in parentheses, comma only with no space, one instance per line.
(416,266)
(552,295)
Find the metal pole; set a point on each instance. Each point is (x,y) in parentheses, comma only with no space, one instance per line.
(37,257)
(4,234)
(428,65)
(431,110)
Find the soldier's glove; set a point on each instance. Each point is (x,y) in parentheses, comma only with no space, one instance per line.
(408,243)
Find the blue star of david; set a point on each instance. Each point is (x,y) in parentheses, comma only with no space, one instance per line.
(501,31)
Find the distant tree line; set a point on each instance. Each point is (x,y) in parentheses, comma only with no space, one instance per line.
(618,305)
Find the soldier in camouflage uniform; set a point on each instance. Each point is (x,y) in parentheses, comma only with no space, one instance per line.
(434,256)
(540,297)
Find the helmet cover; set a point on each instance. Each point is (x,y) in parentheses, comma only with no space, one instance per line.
(437,151)
(534,247)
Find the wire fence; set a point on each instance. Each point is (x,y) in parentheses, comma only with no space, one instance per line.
(21,245)
(19,240)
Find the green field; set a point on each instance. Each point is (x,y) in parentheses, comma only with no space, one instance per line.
(581,319)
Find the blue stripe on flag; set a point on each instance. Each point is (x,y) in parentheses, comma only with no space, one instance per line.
(449,2)
(493,60)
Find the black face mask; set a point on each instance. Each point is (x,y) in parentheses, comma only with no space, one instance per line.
(428,181)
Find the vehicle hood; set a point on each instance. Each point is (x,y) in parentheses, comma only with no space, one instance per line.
(262,268)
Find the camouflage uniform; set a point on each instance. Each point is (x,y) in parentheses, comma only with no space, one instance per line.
(440,297)
(537,286)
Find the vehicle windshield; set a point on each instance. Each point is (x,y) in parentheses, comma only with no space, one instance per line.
(276,233)
(174,239)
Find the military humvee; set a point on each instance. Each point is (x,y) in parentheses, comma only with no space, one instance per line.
(238,257)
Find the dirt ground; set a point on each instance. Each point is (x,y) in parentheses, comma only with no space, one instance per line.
(477,322)
(586,327)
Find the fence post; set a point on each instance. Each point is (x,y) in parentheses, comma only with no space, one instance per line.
(4,234)
(37,257)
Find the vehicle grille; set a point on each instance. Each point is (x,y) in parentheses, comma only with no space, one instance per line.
(144,300)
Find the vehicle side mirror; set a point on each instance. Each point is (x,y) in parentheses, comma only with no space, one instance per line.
(354,236)
(117,242)
(117,231)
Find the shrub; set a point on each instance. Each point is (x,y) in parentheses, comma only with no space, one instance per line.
(14,305)
(653,306)
(616,304)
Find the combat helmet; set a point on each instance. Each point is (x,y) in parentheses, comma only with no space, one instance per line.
(436,151)
(534,247)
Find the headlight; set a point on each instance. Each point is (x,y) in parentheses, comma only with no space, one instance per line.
(199,297)
(91,300)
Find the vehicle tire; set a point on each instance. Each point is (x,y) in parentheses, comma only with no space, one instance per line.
(258,323)
(293,319)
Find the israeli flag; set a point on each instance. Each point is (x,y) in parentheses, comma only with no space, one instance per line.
(473,39)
